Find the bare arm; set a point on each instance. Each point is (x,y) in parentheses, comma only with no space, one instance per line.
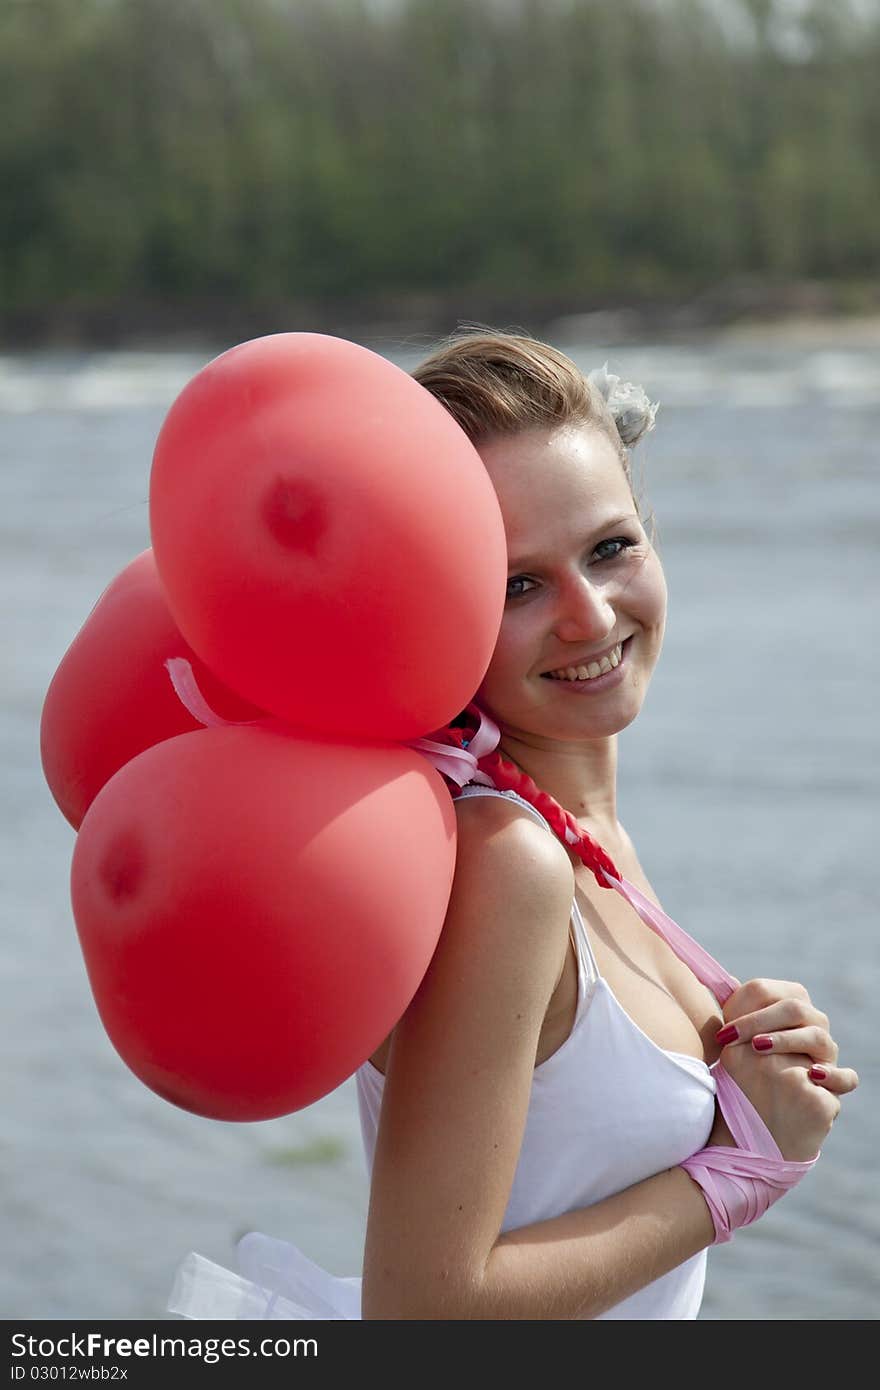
(454,1110)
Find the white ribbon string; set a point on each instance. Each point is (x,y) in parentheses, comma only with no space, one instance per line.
(186,689)
(460,764)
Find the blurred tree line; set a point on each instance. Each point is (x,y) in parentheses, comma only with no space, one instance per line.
(260,150)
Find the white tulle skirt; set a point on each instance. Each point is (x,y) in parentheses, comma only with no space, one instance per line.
(275,1281)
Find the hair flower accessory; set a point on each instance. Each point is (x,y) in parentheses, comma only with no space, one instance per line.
(633,413)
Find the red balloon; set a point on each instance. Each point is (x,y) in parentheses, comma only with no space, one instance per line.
(328,537)
(112,697)
(257,909)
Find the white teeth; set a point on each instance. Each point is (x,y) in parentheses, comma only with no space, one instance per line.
(589,673)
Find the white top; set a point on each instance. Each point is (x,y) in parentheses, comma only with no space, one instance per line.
(607,1109)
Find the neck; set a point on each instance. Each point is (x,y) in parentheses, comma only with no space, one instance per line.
(582,778)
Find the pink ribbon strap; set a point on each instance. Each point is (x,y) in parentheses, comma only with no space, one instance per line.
(740,1184)
(704,966)
(460,764)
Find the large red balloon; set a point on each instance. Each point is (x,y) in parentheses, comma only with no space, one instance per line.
(328,537)
(112,697)
(256,911)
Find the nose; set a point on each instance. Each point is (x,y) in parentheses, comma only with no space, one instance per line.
(584,611)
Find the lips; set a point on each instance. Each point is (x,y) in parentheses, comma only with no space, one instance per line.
(589,667)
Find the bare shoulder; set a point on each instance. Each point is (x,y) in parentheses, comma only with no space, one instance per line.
(497,829)
(506,924)
(462,1058)
(509,872)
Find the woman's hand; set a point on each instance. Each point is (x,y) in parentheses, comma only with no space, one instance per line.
(797,1112)
(794,1084)
(777,1017)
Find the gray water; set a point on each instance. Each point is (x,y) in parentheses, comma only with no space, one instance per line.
(749,784)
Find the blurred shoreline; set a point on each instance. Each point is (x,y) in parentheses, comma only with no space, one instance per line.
(804,310)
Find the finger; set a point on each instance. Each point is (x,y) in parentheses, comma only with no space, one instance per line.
(816,1043)
(757,994)
(838,1080)
(784,1013)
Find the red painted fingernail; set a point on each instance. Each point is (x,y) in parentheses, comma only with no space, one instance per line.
(762,1043)
(729,1033)
(817,1073)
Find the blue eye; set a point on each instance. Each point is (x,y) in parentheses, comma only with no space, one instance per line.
(518,579)
(619,544)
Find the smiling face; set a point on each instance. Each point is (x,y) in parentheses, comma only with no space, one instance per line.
(586,593)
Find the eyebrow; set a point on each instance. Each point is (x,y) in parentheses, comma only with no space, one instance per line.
(527,561)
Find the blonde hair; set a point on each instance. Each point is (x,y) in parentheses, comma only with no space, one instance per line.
(496,383)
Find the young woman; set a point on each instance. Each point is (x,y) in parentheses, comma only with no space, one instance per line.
(528,1119)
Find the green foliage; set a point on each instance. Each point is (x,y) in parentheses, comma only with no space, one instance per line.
(263,150)
(328,1148)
